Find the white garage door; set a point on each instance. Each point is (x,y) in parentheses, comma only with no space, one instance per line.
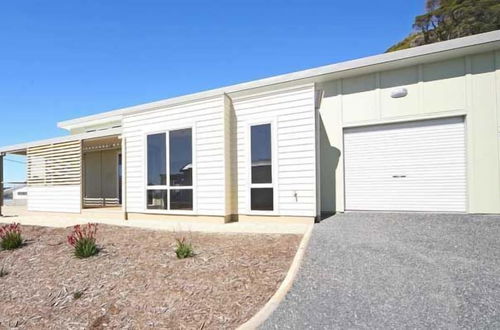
(416,166)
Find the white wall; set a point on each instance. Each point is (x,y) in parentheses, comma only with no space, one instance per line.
(55,198)
(18,193)
(292,112)
(207,120)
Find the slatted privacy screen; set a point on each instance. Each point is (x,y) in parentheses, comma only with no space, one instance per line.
(55,164)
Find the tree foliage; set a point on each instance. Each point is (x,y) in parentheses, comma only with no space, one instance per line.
(450,19)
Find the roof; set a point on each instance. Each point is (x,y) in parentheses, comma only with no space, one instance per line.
(433,52)
(21,148)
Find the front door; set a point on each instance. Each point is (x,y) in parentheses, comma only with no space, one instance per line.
(101,186)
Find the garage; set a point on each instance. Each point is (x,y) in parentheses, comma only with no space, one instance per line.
(412,166)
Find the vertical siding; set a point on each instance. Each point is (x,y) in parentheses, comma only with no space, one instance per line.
(292,112)
(207,119)
(55,198)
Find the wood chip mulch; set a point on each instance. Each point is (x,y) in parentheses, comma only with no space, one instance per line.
(136,281)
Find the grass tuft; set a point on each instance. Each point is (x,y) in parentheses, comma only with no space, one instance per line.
(183,249)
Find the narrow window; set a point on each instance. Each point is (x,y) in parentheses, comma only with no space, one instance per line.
(181,169)
(261,187)
(181,158)
(157,174)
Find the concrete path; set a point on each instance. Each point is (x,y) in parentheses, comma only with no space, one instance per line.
(397,271)
(15,214)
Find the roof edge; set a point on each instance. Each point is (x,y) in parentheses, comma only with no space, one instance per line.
(449,45)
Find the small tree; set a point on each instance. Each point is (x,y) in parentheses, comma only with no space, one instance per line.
(450,19)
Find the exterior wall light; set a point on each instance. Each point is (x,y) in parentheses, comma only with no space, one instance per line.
(398,93)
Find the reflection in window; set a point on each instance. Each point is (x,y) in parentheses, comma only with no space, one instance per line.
(157,173)
(181,199)
(157,199)
(261,154)
(262,199)
(176,193)
(181,158)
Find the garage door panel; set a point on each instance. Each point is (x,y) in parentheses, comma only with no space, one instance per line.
(418,166)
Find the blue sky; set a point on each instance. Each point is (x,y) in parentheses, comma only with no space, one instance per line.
(63,59)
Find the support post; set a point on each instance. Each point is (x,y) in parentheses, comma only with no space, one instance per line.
(124,177)
(1,183)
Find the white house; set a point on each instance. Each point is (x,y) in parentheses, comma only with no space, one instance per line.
(413,130)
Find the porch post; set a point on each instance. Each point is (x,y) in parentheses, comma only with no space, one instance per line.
(1,183)
(124,177)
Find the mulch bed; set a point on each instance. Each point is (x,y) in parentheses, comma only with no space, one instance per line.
(136,281)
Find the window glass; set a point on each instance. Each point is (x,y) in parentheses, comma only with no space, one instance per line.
(157,174)
(261,154)
(262,199)
(157,199)
(181,199)
(181,158)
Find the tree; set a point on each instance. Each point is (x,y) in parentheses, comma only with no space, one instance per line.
(450,19)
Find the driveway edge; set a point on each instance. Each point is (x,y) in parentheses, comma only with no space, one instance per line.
(266,311)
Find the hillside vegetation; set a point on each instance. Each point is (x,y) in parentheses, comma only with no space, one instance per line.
(450,19)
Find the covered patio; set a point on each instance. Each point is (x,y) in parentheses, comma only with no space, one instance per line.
(79,173)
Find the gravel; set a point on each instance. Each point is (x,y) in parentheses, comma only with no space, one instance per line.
(136,282)
(388,271)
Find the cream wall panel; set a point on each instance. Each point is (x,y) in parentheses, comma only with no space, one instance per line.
(292,113)
(331,149)
(404,106)
(55,198)
(207,119)
(444,86)
(483,136)
(497,84)
(359,98)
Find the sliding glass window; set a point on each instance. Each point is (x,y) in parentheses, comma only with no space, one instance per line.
(261,186)
(176,193)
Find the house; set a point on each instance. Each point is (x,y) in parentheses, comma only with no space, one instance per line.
(16,195)
(413,130)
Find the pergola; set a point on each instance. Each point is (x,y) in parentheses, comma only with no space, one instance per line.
(58,161)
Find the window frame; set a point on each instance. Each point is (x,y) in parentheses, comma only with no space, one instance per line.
(274,168)
(168,187)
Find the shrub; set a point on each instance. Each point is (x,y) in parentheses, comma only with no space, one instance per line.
(10,236)
(183,248)
(83,239)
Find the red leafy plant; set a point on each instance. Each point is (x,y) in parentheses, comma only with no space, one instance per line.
(83,239)
(10,236)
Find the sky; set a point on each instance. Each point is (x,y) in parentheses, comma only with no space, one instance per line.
(63,59)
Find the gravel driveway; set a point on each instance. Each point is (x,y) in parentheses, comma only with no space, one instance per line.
(386,271)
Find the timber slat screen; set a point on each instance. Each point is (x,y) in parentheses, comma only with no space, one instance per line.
(56,164)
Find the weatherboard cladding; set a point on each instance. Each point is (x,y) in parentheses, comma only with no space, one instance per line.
(206,119)
(292,112)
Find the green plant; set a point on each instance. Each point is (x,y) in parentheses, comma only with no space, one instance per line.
(183,249)
(77,295)
(83,239)
(3,272)
(10,236)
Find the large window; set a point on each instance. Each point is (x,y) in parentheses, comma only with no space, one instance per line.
(176,193)
(261,186)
